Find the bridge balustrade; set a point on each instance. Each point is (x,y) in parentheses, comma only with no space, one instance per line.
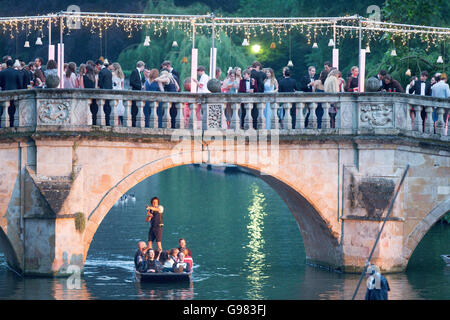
(378,113)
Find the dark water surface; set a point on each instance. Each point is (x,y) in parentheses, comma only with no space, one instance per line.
(245,242)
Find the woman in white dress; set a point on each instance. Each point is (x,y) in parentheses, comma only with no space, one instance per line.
(118,84)
(270,86)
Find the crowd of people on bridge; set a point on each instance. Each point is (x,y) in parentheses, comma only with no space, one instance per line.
(16,74)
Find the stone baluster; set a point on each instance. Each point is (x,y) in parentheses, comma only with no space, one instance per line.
(112,116)
(440,123)
(140,117)
(312,120)
(4,120)
(287,120)
(153,117)
(16,113)
(410,122)
(127,113)
(89,117)
(337,122)
(166,120)
(248,120)
(274,120)
(429,124)
(100,112)
(418,122)
(179,119)
(204,116)
(192,116)
(261,120)
(299,117)
(326,116)
(235,119)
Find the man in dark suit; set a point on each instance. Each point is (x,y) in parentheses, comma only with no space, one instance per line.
(258,75)
(105,82)
(11,79)
(421,88)
(287,84)
(307,82)
(136,81)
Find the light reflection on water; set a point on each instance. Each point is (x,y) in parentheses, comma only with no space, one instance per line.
(245,242)
(256,257)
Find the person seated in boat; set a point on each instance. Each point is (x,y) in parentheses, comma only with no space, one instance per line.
(153,265)
(173,254)
(181,265)
(188,257)
(166,261)
(140,263)
(181,244)
(377,285)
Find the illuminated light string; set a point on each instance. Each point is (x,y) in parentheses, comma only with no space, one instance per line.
(249,27)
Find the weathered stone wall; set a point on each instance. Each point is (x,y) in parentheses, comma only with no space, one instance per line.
(327,184)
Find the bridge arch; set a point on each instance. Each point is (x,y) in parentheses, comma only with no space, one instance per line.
(423,227)
(321,243)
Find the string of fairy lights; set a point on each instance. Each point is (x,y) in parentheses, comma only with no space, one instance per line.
(156,25)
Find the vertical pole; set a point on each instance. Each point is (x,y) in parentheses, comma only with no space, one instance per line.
(213,65)
(359,51)
(61,52)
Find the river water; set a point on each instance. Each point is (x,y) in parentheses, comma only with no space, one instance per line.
(245,243)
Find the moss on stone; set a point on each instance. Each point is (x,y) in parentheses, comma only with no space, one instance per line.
(80,222)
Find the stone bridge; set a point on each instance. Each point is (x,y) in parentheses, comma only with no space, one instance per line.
(60,174)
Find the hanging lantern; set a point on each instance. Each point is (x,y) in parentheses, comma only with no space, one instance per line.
(174,43)
(440,60)
(27,44)
(368,49)
(245,43)
(393,53)
(408,73)
(184,60)
(290,64)
(39,41)
(315,46)
(273,45)
(147,41)
(331,43)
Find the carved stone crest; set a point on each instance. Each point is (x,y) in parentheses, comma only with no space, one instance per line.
(376,115)
(54,112)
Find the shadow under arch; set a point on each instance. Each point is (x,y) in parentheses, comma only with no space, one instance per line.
(9,252)
(423,227)
(321,244)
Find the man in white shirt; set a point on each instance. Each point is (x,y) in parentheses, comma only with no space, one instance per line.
(203,81)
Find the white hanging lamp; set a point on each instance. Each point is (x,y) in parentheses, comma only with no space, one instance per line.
(174,44)
(315,46)
(245,43)
(27,44)
(147,41)
(38,41)
(440,60)
(393,53)
(331,43)
(367,48)
(290,64)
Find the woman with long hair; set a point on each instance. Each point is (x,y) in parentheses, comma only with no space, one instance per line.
(81,73)
(270,86)
(118,84)
(70,78)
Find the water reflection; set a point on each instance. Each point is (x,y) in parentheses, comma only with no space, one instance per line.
(256,256)
(168,291)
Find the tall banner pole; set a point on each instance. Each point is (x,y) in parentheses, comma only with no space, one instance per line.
(360,57)
(194,61)
(212,63)
(61,54)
